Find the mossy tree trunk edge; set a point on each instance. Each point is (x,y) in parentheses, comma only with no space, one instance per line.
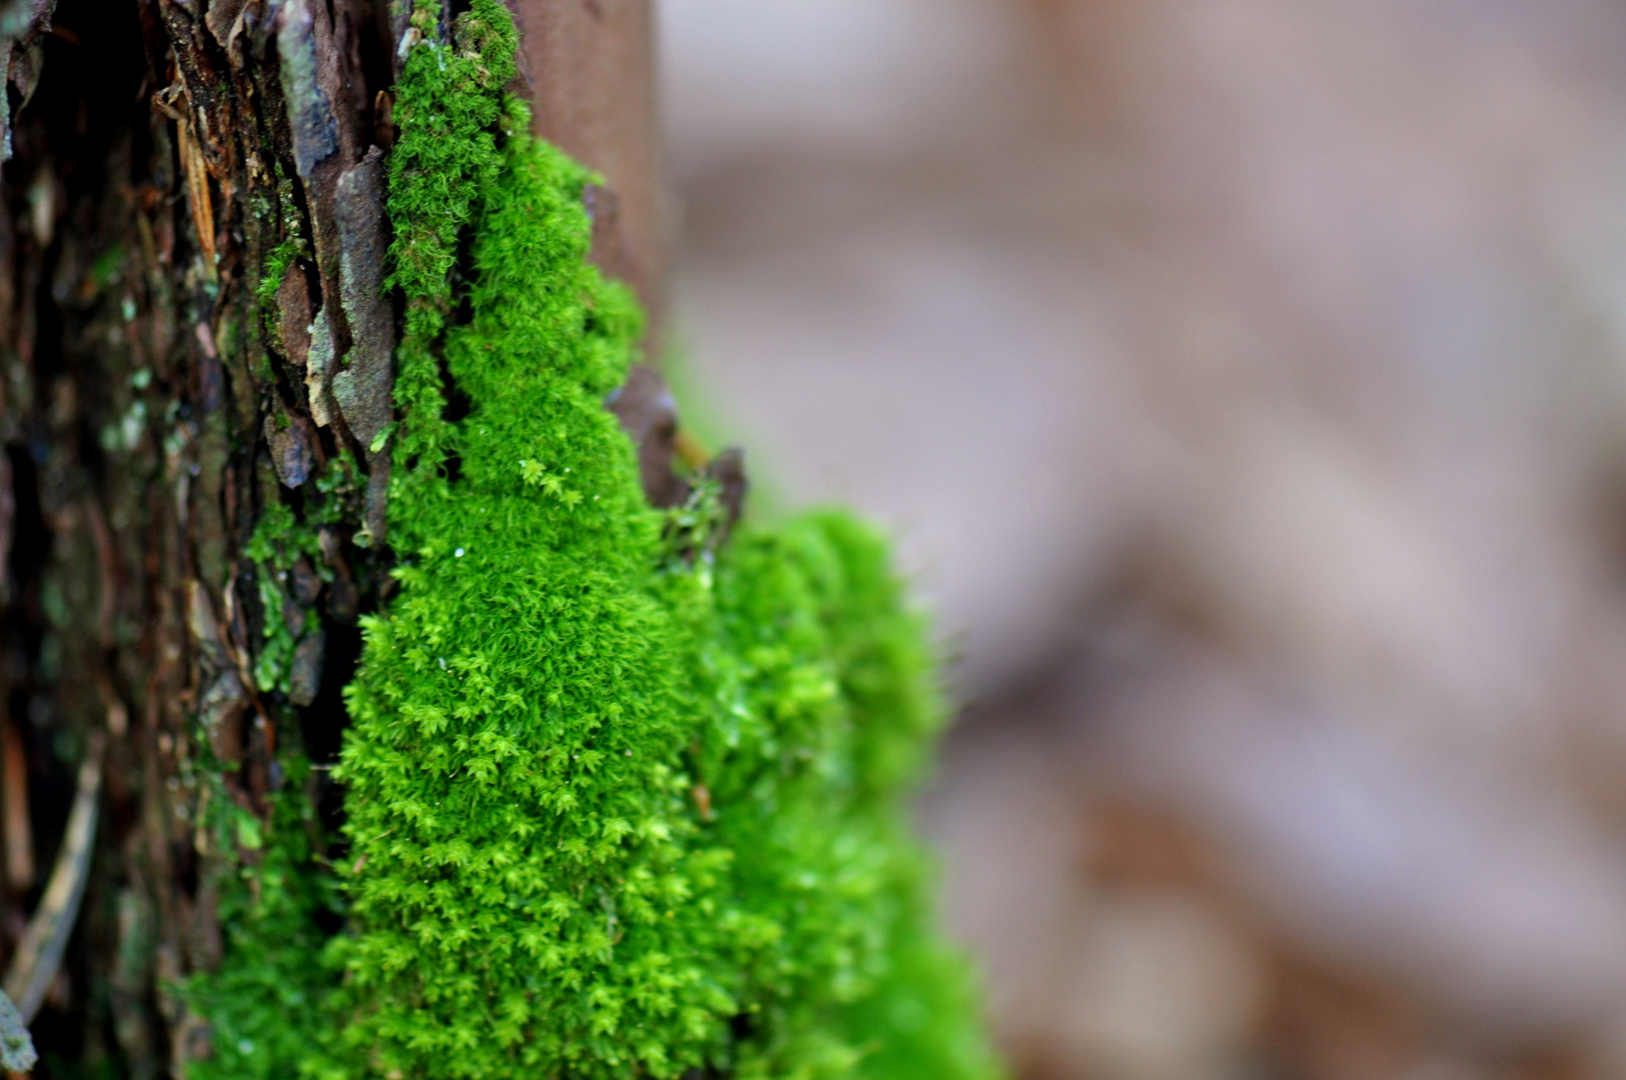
(193,355)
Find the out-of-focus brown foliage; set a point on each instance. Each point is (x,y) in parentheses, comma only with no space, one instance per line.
(1247,381)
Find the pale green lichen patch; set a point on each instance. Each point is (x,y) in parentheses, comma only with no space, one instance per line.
(16,1046)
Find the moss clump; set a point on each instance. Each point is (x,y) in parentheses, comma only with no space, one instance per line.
(619,804)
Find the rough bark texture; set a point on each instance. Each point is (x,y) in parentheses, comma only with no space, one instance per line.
(192,342)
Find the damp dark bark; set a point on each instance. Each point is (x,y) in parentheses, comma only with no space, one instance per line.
(193,342)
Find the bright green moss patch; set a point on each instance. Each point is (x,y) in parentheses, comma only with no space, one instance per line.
(618,805)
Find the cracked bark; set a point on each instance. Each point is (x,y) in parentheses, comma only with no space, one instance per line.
(161,388)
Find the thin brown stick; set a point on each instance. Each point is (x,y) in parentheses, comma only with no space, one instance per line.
(197,190)
(39,954)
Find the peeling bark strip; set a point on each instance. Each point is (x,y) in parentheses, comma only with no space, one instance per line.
(363,386)
(311,122)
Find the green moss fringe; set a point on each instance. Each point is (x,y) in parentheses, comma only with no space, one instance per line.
(614,809)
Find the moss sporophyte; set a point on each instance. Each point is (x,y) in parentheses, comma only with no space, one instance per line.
(610,812)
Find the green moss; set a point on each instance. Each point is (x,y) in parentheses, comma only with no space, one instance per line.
(260,1005)
(277,263)
(280,539)
(618,804)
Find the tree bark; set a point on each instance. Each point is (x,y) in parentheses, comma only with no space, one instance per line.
(191,238)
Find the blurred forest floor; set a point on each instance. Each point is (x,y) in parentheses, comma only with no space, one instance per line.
(1246,380)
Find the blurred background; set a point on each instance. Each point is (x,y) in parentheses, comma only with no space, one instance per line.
(1245,381)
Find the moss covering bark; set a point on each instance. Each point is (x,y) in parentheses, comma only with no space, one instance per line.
(620,801)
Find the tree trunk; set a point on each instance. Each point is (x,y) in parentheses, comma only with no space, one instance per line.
(588,66)
(191,239)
